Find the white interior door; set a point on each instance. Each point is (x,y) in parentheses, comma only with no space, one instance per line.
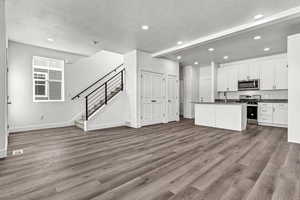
(152,98)
(172,99)
(157,98)
(146,99)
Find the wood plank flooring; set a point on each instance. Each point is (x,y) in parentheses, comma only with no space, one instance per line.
(175,161)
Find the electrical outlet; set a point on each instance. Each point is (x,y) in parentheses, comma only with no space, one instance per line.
(17,152)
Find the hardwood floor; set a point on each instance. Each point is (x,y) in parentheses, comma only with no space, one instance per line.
(175,161)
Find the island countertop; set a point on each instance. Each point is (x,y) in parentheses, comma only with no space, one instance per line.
(220,103)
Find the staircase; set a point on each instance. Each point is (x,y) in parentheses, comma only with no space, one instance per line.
(99,94)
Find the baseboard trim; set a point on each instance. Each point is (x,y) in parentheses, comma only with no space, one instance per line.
(293,141)
(3,153)
(39,127)
(274,125)
(104,126)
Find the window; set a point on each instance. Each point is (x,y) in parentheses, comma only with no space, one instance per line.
(48,79)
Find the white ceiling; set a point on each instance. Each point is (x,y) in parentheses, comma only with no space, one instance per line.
(74,24)
(242,46)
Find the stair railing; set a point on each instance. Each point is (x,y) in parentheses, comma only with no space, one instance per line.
(98,81)
(103,94)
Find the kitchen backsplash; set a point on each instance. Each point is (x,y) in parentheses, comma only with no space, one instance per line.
(280,94)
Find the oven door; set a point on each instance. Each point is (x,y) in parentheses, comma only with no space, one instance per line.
(252,112)
(248,85)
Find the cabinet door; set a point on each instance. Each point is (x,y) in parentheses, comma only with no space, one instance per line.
(267,81)
(242,72)
(280,113)
(281,75)
(228,117)
(231,78)
(205,115)
(221,80)
(205,90)
(254,70)
(265,112)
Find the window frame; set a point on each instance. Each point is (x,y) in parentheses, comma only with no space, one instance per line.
(46,84)
(48,68)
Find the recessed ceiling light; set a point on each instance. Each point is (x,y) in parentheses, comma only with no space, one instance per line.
(50,39)
(259,16)
(179,42)
(258,37)
(211,49)
(226,57)
(196,63)
(178,57)
(145,27)
(267,49)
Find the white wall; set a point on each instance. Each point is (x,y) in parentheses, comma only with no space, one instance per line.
(191,90)
(130,61)
(3,86)
(294,88)
(24,114)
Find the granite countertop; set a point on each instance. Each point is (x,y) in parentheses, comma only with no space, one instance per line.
(221,103)
(273,101)
(237,102)
(260,101)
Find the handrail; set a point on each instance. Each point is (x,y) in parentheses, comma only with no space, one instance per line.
(80,93)
(104,83)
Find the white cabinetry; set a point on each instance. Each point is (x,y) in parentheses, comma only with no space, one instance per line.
(280,114)
(265,112)
(226,116)
(271,71)
(274,75)
(205,115)
(248,71)
(273,114)
(227,79)
(281,75)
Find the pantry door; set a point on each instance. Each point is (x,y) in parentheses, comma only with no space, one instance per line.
(173,107)
(152,98)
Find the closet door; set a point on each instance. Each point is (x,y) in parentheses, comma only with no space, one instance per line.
(146,98)
(152,98)
(157,98)
(172,99)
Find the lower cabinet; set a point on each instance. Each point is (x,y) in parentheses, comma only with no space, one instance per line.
(273,114)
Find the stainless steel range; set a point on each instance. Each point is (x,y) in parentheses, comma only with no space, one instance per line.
(252,106)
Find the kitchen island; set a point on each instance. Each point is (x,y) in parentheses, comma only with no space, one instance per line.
(232,116)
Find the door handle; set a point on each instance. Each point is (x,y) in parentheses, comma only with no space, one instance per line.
(9,103)
(153,101)
(169,100)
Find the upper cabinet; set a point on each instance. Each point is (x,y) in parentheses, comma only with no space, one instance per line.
(271,71)
(248,71)
(281,75)
(274,74)
(227,79)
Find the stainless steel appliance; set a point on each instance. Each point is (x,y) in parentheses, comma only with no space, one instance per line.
(252,107)
(248,85)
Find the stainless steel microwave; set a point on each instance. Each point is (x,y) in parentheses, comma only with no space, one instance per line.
(248,85)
